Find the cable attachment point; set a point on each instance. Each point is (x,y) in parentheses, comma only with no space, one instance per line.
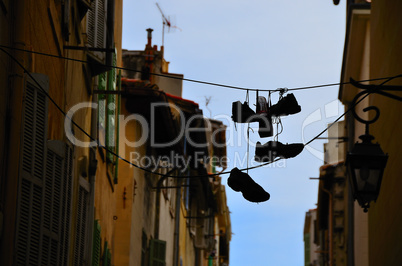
(282,91)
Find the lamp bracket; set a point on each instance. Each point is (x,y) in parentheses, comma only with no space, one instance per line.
(368,89)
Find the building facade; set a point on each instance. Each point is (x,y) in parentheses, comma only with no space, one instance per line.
(172,206)
(371,55)
(70,193)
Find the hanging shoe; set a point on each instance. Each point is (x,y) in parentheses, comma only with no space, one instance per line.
(256,194)
(241,112)
(251,191)
(274,149)
(286,106)
(265,128)
(262,105)
(264,120)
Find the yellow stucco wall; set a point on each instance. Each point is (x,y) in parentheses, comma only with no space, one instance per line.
(385,216)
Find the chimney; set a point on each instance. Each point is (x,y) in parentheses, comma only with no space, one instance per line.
(149,37)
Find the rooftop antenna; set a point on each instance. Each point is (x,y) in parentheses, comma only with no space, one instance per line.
(207,100)
(166,22)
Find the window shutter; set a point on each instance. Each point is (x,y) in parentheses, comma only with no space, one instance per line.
(116,172)
(96,249)
(91,24)
(102,102)
(102,84)
(107,256)
(111,113)
(157,252)
(144,242)
(81,233)
(209,230)
(57,203)
(30,188)
(66,19)
(96,26)
(44,193)
(66,205)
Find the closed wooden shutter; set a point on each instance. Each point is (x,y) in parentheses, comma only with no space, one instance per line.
(66,218)
(157,250)
(45,182)
(96,26)
(96,244)
(81,232)
(57,203)
(32,163)
(107,256)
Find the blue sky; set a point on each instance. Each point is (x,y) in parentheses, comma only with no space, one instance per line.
(265,44)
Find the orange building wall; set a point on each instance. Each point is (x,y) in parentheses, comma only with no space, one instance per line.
(385,216)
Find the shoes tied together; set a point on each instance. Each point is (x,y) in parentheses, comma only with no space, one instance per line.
(242,113)
(268,152)
(242,182)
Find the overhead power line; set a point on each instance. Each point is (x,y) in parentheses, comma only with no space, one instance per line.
(193,80)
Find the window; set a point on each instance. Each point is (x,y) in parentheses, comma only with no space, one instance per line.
(82,219)
(96,244)
(157,252)
(108,111)
(107,256)
(100,34)
(45,185)
(96,26)
(144,243)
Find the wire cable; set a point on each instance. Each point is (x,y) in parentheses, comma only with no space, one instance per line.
(193,80)
(347,111)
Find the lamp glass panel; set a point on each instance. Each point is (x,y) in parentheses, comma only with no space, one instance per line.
(367,179)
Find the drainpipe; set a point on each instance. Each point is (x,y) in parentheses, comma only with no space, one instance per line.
(351,229)
(92,166)
(177,226)
(330,224)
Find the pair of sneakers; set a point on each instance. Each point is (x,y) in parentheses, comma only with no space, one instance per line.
(274,149)
(242,113)
(242,182)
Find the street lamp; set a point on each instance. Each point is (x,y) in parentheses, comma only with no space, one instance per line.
(366,162)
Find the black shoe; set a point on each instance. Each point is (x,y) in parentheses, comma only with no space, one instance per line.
(251,191)
(274,149)
(286,106)
(256,194)
(242,113)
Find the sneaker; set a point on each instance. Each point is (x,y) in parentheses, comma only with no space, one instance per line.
(286,106)
(257,194)
(242,113)
(251,191)
(262,105)
(274,149)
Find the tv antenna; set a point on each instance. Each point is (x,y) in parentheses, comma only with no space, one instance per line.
(207,100)
(166,22)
